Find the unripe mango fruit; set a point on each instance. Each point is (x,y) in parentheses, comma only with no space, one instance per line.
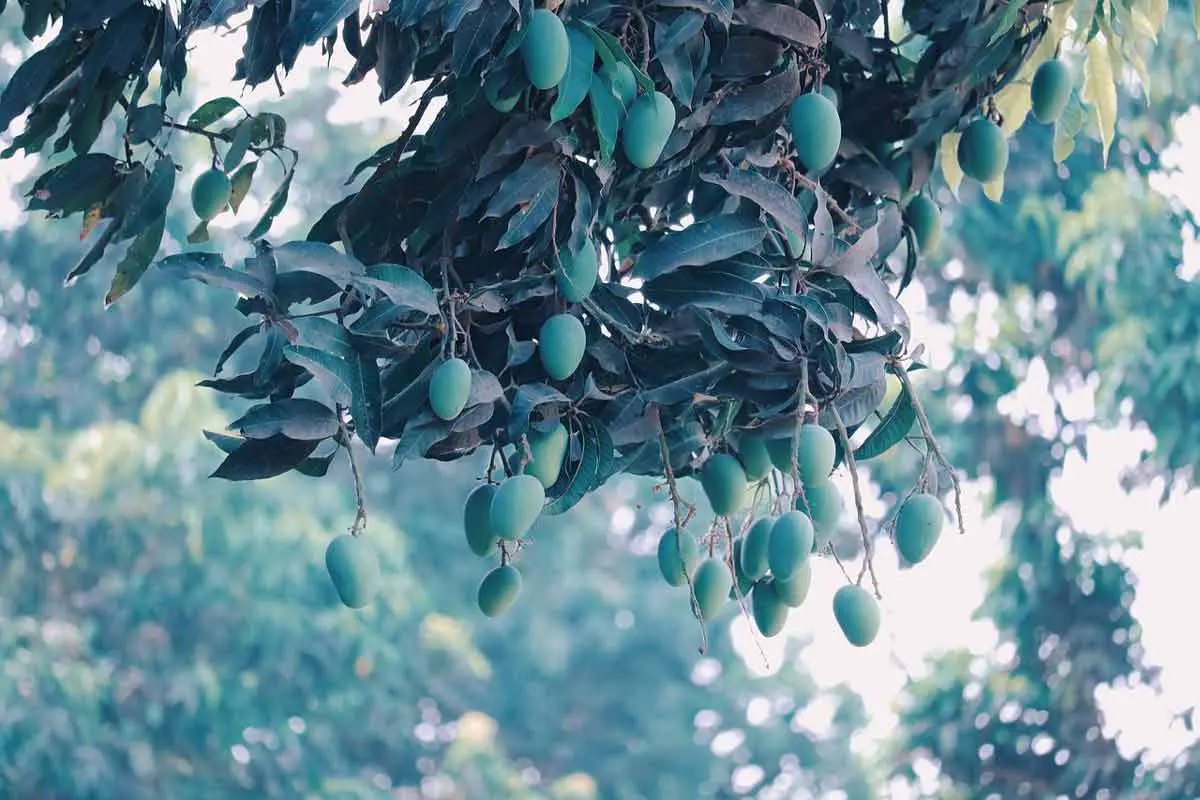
(354,569)
(211,193)
(546,49)
(923,216)
(449,388)
(711,583)
(983,151)
(857,615)
(790,543)
(1050,91)
(498,590)
(477,522)
(756,461)
(754,547)
(824,508)
(815,453)
(724,484)
(816,130)
(770,612)
(793,591)
(548,451)
(674,554)
(576,274)
(648,125)
(516,506)
(918,526)
(561,343)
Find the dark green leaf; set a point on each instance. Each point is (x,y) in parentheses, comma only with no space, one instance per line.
(274,206)
(403,286)
(777,19)
(610,51)
(768,195)
(607,114)
(295,418)
(209,268)
(703,242)
(891,430)
(758,100)
(212,111)
(137,258)
(531,215)
(152,204)
(258,459)
(537,175)
(583,474)
(235,344)
(578,80)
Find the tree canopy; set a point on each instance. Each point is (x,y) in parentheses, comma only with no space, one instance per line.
(662,239)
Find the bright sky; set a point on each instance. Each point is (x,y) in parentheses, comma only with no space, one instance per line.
(926,609)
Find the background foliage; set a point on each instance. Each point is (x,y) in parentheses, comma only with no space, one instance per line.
(109,674)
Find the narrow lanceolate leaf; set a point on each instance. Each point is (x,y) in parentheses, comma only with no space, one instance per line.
(524,184)
(241,181)
(530,216)
(607,113)
(575,84)
(258,459)
(701,243)
(767,194)
(212,111)
(894,426)
(274,206)
(209,268)
(295,418)
(403,286)
(578,477)
(948,159)
(1100,92)
(137,258)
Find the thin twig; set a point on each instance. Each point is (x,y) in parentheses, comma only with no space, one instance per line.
(645,31)
(676,502)
(344,438)
(398,148)
(737,590)
(830,203)
(932,442)
(868,565)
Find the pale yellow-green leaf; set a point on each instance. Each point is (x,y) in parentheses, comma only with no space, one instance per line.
(1068,126)
(948,159)
(1143,26)
(994,189)
(1013,102)
(1100,92)
(1196,15)
(1156,13)
(1046,48)
(1084,14)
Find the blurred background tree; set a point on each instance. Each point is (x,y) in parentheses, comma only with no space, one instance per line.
(164,636)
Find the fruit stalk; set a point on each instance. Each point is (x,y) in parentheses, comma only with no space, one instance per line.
(676,504)
(932,443)
(868,555)
(346,441)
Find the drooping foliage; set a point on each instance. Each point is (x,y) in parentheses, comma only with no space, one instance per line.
(741,292)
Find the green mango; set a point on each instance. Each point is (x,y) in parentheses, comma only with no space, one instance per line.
(754,548)
(561,344)
(724,483)
(648,125)
(499,590)
(794,590)
(790,543)
(769,611)
(548,451)
(857,614)
(211,193)
(918,526)
(516,506)
(354,569)
(816,130)
(983,151)
(576,274)
(477,522)
(1050,91)
(712,583)
(674,554)
(449,388)
(546,49)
